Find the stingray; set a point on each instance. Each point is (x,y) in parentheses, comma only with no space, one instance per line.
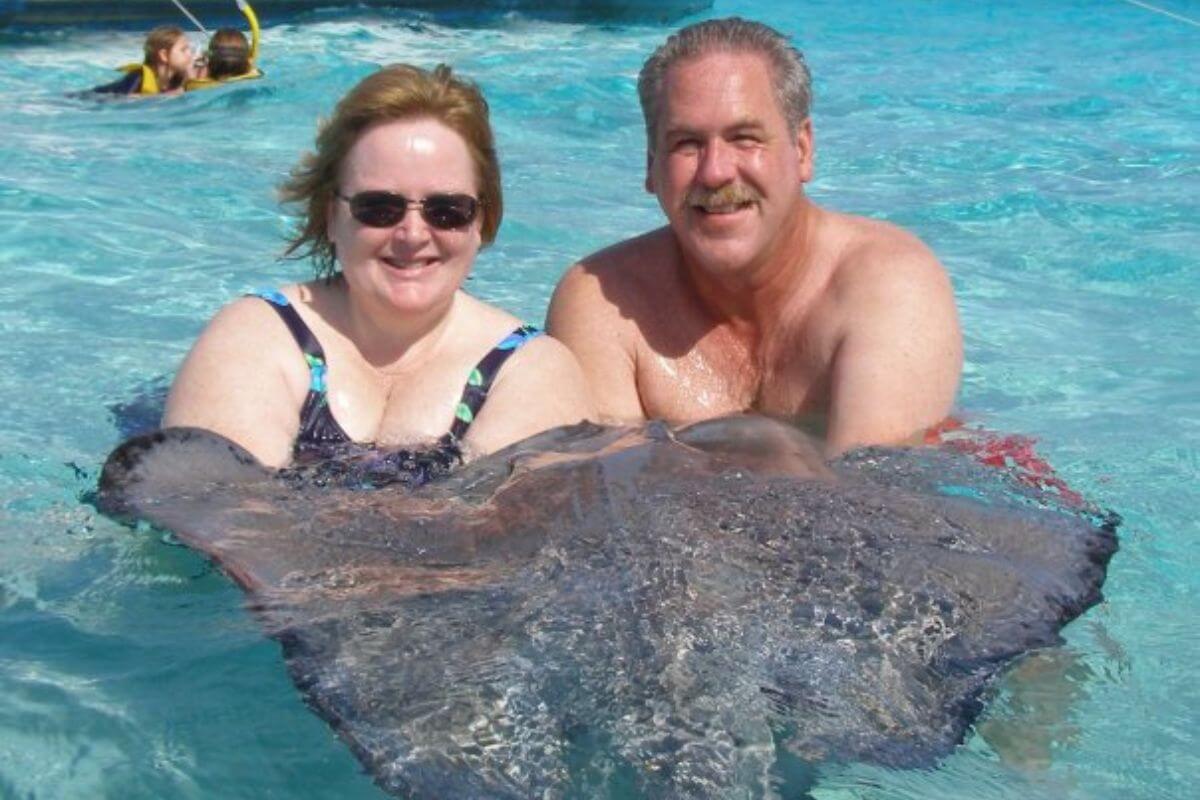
(635,612)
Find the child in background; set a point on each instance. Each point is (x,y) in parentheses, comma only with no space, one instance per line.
(230,56)
(166,67)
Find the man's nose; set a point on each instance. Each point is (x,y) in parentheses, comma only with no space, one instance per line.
(718,163)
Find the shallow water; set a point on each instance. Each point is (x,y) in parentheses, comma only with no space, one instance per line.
(1050,157)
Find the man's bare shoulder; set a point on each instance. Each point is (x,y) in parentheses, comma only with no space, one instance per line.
(622,277)
(875,259)
(602,309)
(636,262)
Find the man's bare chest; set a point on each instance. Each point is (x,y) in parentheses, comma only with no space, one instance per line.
(706,382)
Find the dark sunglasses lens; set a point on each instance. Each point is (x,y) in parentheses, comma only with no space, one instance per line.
(448,211)
(442,211)
(378,209)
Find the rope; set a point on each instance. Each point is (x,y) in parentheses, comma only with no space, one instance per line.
(1164,12)
(188,14)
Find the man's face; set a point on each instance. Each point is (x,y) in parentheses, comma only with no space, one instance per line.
(726,170)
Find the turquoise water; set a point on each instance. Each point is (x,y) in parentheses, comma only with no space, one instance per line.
(1050,153)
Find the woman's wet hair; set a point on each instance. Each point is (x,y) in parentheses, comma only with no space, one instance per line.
(396,92)
(790,76)
(228,54)
(163,37)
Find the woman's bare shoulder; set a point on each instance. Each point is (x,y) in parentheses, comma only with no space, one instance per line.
(250,314)
(541,386)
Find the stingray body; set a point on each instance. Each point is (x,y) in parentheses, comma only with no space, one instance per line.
(643,613)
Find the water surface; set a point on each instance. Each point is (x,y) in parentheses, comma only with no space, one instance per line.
(1049,154)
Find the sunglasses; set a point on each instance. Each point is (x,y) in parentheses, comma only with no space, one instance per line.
(446,212)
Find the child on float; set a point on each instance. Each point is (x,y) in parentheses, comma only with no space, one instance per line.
(230,56)
(167,65)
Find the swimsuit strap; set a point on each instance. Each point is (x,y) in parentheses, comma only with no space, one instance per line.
(480,380)
(318,426)
(300,332)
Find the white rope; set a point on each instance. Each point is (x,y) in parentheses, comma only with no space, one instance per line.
(1164,12)
(188,14)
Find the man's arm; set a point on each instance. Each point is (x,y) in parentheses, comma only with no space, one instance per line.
(898,362)
(590,324)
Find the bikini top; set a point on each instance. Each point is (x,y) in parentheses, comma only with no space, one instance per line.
(322,438)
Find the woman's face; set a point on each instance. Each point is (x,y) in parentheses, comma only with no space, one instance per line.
(410,267)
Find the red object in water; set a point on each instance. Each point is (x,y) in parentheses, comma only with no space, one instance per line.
(1011,452)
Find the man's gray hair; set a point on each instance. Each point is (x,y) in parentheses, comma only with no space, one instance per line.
(791,79)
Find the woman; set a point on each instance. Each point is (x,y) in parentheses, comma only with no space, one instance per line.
(384,349)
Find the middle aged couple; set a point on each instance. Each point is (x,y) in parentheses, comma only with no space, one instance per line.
(752,298)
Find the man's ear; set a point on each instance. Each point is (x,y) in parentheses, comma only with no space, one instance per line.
(804,149)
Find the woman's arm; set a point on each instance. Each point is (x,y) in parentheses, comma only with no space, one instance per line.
(541,387)
(244,379)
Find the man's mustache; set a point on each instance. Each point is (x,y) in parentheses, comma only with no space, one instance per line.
(727,196)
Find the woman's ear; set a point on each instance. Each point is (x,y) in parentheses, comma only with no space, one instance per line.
(329,210)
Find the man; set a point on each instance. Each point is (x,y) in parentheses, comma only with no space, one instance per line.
(753,298)
(169,60)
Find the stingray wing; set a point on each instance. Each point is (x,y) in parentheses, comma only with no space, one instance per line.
(663,615)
